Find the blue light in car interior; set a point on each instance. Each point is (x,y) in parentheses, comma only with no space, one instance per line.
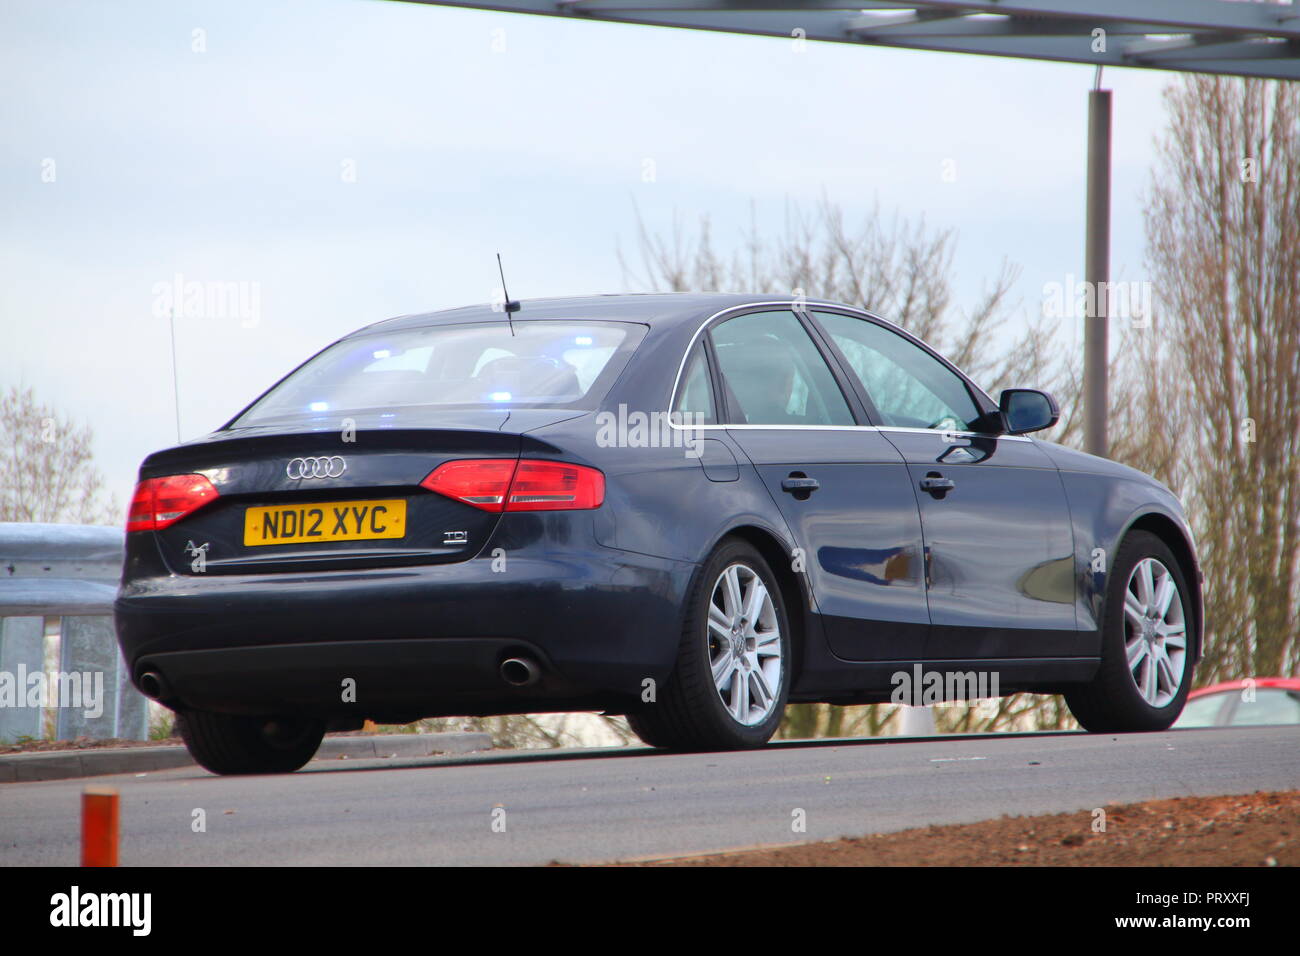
(582,340)
(500,396)
(319,406)
(383,354)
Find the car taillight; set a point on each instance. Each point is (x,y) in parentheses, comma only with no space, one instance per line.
(160,502)
(555,486)
(499,484)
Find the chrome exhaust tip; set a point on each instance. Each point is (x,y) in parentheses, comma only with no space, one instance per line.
(153,686)
(520,671)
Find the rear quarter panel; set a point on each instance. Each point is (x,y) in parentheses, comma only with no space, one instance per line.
(660,501)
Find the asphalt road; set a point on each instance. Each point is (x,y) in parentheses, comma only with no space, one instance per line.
(595,805)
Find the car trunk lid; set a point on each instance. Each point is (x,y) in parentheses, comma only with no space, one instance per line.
(295,499)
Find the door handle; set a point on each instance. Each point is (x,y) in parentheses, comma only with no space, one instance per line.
(797,485)
(937,485)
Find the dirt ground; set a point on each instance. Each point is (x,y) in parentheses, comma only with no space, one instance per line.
(1259,829)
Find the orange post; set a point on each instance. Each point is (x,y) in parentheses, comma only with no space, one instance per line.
(99,826)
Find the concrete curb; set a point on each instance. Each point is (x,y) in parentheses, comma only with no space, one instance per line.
(402,745)
(63,764)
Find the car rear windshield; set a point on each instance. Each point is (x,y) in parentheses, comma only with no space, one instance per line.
(538,364)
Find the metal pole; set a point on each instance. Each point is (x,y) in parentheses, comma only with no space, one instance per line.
(1097,272)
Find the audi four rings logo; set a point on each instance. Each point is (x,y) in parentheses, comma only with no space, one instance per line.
(315,467)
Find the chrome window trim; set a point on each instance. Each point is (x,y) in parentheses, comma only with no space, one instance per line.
(808,306)
(806,428)
(847,428)
(948,431)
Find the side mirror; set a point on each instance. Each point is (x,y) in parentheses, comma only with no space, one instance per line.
(1027,410)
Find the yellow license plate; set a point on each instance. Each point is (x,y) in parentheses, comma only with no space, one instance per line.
(326,521)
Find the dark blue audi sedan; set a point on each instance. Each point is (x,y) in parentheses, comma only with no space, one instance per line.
(689,509)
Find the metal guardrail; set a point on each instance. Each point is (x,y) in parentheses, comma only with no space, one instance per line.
(69,572)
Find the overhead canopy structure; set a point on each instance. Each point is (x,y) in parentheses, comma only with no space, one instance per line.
(1244,38)
(1229,37)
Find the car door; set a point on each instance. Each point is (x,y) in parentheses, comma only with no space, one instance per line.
(843,489)
(1000,574)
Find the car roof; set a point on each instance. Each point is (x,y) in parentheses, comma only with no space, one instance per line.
(656,309)
(1282,683)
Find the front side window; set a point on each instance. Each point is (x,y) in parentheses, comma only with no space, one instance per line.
(408,372)
(774,375)
(909,387)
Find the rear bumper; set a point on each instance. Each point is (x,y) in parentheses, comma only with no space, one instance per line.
(416,641)
(389,681)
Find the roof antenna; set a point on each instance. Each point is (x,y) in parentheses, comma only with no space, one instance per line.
(511,305)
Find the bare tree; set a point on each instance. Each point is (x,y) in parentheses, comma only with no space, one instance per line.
(895,268)
(1223,228)
(46,466)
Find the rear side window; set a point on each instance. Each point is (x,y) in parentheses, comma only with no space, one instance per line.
(540,364)
(695,394)
(774,374)
(909,387)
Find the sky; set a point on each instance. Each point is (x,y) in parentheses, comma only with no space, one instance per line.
(330,163)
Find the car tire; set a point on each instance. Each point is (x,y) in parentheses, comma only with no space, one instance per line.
(236,744)
(1139,696)
(749,652)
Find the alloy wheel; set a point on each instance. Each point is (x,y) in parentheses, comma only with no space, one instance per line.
(1155,632)
(744,645)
